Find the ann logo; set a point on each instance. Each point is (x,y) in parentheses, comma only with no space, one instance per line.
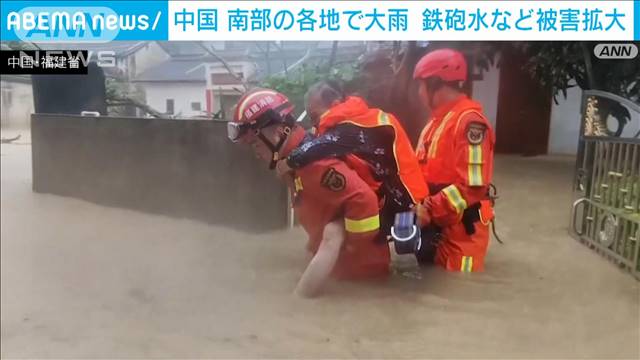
(616,51)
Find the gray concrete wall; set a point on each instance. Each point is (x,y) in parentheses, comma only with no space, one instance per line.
(180,168)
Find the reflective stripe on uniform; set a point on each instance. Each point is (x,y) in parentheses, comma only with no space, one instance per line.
(455,198)
(475,165)
(298,183)
(420,150)
(363,225)
(436,136)
(462,115)
(383,119)
(466,265)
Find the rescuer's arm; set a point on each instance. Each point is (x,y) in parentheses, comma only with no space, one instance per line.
(473,146)
(355,207)
(341,140)
(322,263)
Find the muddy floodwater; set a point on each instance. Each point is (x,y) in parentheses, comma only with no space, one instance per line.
(80,280)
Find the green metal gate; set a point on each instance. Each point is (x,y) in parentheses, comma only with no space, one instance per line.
(606,214)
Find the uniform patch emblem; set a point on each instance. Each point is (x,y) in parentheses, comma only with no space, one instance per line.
(475,133)
(333,180)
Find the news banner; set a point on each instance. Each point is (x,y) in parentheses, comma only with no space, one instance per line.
(104,21)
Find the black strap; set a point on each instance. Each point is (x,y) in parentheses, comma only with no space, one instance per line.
(470,216)
(493,230)
(275,149)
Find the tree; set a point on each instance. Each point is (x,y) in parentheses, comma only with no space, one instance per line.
(121,97)
(382,75)
(386,74)
(563,65)
(295,79)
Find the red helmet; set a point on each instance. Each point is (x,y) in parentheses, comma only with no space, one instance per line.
(446,64)
(257,109)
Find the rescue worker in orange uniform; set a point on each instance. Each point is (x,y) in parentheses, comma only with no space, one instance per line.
(371,141)
(337,209)
(455,151)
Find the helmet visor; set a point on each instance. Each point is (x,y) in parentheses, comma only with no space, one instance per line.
(235,131)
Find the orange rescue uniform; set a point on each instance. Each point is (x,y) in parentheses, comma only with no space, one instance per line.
(455,151)
(354,110)
(328,190)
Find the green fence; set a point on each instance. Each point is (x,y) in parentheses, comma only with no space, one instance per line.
(606,213)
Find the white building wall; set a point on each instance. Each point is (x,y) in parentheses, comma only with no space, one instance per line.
(564,129)
(564,125)
(183,94)
(16,104)
(485,91)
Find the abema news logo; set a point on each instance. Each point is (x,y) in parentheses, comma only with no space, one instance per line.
(86,23)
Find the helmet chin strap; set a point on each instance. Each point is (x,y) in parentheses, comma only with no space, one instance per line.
(275,149)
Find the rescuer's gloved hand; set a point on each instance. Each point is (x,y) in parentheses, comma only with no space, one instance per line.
(423,213)
(282,168)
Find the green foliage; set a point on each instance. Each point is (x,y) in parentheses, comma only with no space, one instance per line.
(564,64)
(561,65)
(296,82)
(121,96)
(119,90)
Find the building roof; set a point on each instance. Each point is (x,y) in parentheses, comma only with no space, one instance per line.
(187,58)
(185,69)
(175,70)
(190,68)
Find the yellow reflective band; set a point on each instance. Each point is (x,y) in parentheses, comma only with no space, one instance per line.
(436,136)
(466,264)
(455,198)
(475,154)
(475,165)
(423,135)
(298,183)
(361,226)
(462,117)
(383,119)
(475,175)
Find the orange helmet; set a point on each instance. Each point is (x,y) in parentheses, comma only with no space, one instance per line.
(446,64)
(258,109)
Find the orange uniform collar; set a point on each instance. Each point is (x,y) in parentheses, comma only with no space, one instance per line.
(351,107)
(443,109)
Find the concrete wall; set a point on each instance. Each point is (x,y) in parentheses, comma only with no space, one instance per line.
(181,168)
(183,95)
(16,103)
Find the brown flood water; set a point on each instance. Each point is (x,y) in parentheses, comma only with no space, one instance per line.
(81,280)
